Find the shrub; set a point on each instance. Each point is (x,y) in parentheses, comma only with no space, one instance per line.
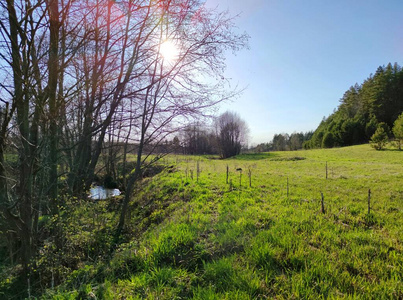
(380,138)
(398,131)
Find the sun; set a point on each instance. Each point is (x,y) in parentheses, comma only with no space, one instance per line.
(169,51)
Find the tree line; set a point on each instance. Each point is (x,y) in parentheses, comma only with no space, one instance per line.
(363,109)
(226,136)
(84,81)
(285,142)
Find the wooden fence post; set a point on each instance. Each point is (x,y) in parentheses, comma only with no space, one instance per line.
(369,201)
(198,171)
(323,203)
(240,182)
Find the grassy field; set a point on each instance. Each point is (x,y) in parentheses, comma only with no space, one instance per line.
(261,235)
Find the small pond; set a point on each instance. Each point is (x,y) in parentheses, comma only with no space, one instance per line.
(100,193)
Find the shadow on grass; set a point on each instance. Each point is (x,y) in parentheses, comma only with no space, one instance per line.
(390,150)
(255,156)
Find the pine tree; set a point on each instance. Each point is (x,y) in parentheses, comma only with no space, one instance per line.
(380,138)
(398,131)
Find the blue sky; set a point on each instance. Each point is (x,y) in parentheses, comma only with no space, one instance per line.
(304,54)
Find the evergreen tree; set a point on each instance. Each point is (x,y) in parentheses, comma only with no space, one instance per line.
(398,131)
(380,138)
(377,100)
(328,140)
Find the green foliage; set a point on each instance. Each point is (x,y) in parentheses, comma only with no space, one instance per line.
(398,130)
(105,292)
(380,138)
(328,140)
(371,126)
(376,100)
(385,128)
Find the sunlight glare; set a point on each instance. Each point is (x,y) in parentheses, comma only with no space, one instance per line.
(169,51)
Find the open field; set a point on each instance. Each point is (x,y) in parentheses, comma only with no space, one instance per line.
(193,235)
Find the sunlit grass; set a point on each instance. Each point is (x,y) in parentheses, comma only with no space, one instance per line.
(193,235)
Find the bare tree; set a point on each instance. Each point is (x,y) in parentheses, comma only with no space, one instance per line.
(80,73)
(175,90)
(29,41)
(198,139)
(17,62)
(23,28)
(232,134)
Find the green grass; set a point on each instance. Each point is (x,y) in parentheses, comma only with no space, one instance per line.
(206,239)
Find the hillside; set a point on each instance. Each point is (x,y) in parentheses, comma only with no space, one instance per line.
(192,235)
(379,99)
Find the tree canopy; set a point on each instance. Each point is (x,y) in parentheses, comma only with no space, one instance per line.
(363,106)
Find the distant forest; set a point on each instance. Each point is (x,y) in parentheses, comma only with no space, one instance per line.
(364,107)
(285,142)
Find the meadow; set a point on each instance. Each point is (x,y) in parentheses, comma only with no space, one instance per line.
(259,233)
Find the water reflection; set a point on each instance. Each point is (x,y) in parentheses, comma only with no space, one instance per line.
(100,193)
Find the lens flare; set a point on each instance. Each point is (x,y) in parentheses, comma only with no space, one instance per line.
(169,51)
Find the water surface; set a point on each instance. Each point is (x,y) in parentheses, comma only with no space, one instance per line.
(100,193)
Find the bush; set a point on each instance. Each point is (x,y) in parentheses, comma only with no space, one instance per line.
(380,138)
(398,131)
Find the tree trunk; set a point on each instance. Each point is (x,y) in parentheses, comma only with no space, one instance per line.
(53,105)
(22,107)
